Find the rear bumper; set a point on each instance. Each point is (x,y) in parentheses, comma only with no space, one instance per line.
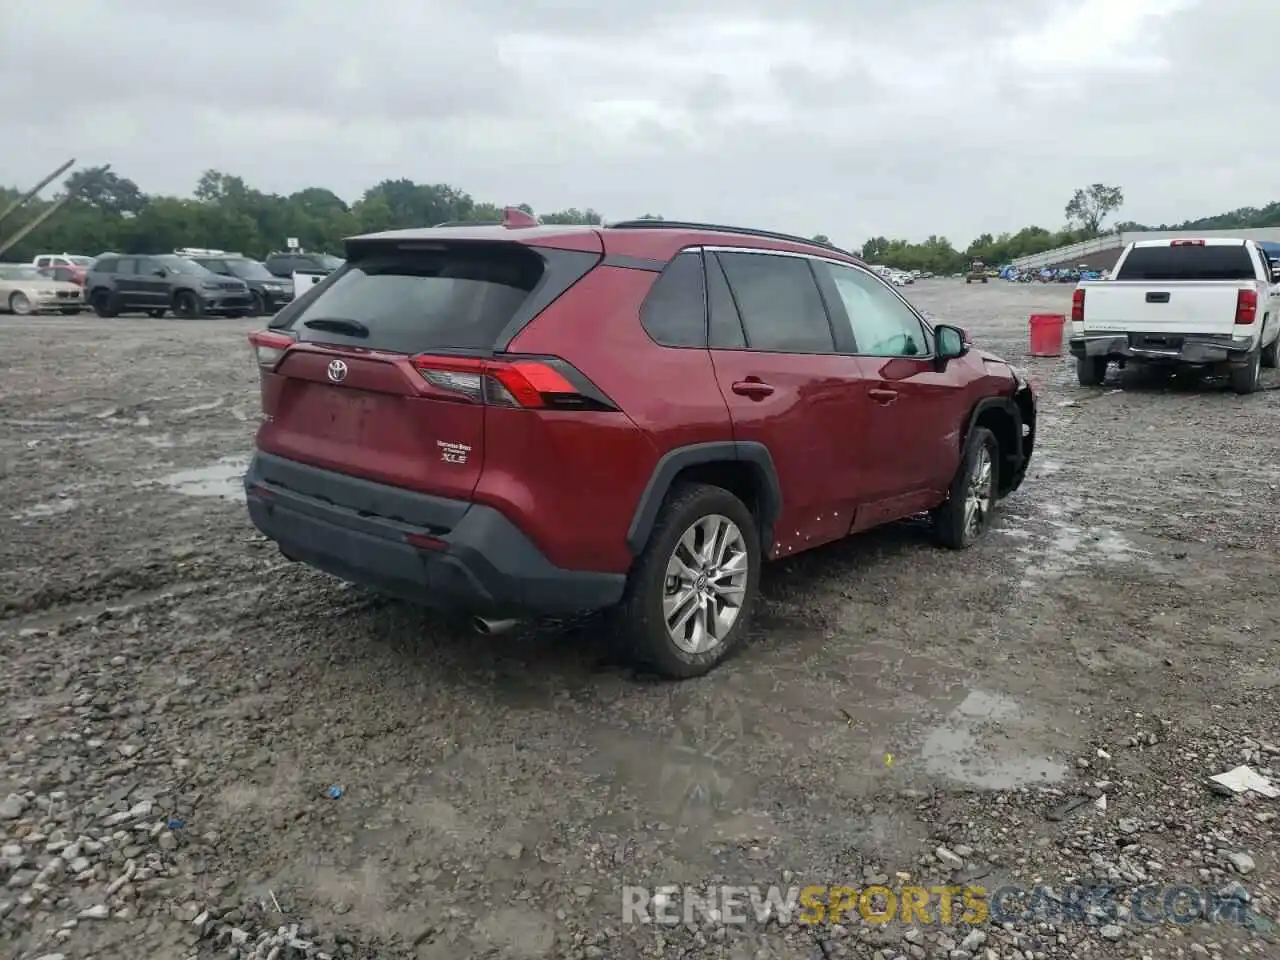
(1163,348)
(356,530)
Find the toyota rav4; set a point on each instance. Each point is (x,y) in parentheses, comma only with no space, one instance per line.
(515,419)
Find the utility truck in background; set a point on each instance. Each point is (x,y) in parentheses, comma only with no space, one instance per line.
(1208,304)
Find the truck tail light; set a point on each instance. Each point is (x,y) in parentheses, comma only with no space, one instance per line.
(1246,307)
(1077,306)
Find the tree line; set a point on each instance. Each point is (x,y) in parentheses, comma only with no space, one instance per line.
(109,212)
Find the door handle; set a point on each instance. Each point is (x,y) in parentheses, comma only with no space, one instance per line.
(755,389)
(881,396)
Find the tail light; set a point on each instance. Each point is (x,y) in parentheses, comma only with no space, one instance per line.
(1246,307)
(541,383)
(269,347)
(1077,306)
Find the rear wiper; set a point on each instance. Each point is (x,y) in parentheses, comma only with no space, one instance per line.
(351,328)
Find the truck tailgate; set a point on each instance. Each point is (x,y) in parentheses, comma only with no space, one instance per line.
(1117,306)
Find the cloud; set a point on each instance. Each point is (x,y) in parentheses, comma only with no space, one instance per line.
(802,115)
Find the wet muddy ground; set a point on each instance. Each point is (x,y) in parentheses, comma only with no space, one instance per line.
(179,702)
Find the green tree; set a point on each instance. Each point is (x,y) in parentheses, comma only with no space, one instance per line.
(103,190)
(1090,205)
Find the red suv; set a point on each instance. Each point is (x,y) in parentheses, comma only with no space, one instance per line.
(514,419)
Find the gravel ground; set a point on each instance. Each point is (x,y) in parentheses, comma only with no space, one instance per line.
(178,701)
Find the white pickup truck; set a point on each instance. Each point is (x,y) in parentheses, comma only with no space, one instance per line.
(1211,303)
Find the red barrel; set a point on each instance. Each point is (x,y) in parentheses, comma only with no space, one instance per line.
(1046,334)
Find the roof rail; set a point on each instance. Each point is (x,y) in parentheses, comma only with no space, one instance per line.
(720,228)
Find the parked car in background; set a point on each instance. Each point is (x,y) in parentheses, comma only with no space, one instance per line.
(74,265)
(1211,304)
(24,290)
(287,263)
(268,292)
(154,285)
(709,397)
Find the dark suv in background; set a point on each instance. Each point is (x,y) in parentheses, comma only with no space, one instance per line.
(518,419)
(154,285)
(268,292)
(286,263)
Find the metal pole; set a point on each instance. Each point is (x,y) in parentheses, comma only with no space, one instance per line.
(16,238)
(35,190)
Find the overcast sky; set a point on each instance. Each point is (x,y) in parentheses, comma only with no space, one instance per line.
(846,117)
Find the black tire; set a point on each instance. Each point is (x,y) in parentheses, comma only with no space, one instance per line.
(104,304)
(1271,354)
(640,617)
(186,305)
(259,306)
(156,314)
(1245,379)
(952,523)
(1091,371)
(236,314)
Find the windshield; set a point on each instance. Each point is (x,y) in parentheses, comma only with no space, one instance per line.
(182,265)
(249,270)
(331,263)
(20,273)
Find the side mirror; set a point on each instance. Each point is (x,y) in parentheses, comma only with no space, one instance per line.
(953,343)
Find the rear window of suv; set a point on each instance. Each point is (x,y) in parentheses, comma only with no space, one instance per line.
(458,298)
(1188,262)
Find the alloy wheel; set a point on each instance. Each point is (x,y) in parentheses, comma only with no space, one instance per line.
(706,584)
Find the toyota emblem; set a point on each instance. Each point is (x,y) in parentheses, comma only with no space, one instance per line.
(337,371)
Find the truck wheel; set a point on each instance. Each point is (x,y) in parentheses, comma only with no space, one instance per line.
(1271,353)
(1091,371)
(690,592)
(1245,379)
(966,513)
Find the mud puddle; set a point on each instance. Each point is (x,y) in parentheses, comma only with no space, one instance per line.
(222,479)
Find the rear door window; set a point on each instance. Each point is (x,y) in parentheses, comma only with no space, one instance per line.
(458,298)
(675,311)
(1188,262)
(779,302)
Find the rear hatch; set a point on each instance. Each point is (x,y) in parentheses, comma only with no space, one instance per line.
(1178,288)
(356,395)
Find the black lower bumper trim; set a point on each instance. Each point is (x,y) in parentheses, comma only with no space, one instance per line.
(486,567)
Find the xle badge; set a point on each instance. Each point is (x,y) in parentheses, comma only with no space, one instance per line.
(453,452)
